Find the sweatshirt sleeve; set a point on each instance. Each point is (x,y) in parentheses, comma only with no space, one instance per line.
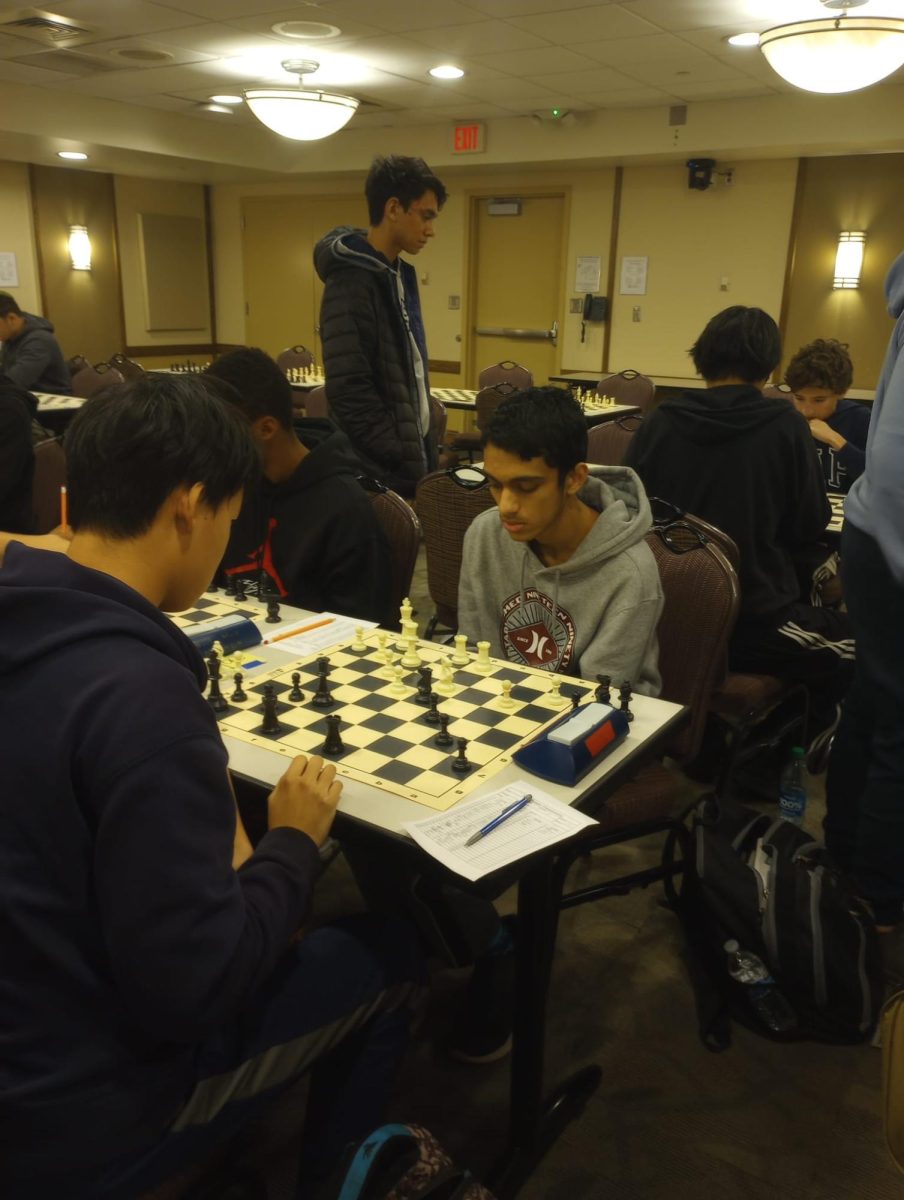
(852,456)
(808,511)
(32,358)
(853,459)
(16,452)
(624,646)
(189,938)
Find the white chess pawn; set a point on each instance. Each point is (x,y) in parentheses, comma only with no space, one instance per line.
(384,653)
(483,666)
(556,699)
(461,658)
(399,687)
(411,659)
(445,683)
(506,700)
(359,642)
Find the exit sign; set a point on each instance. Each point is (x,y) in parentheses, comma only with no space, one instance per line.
(469,139)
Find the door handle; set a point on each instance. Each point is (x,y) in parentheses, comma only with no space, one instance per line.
(527,335)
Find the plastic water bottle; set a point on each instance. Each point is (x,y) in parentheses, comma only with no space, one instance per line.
(762,991)
(792,794)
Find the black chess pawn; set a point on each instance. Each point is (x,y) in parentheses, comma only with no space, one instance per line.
(239,694)
(333,744)
(323,697)
(296,693)
(273,617)
(460,762)
(239,592)
(603,689)
(229,587)
(444,737)
(575,700)
(270,707)
(433,715)
(624,693)
(214,585)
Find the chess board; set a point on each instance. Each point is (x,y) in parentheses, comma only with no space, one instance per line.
(213,605)
(388,744)
(836,521)
(305,377)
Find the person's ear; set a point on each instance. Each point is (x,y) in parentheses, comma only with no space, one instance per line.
(264,428)
(185,503)
(576,478)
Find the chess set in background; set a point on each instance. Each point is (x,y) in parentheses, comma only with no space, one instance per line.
(311,375)
(590,398)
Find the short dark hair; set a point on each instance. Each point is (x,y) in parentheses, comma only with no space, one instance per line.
(8,305)
(260,388)
(405,178)
(739,341)
(542,423)
(131,445)
(823,363)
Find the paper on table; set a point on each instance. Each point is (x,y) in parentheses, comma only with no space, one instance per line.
(543,822)
(339,629)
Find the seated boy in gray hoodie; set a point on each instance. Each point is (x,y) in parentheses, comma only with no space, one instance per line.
(558,576)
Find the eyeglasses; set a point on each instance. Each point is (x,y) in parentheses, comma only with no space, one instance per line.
(681,537)
(471,478)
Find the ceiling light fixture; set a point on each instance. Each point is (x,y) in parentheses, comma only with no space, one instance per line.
(743,39)
(72,155)
(835,54)
(446,71)
(304,116)
(225,99)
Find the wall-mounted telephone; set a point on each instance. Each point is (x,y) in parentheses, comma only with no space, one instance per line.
(596,308)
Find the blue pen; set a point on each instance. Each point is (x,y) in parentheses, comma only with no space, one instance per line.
(503,816)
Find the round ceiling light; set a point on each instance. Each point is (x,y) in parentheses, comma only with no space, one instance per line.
(304,116)
(306,31)
(72,155)
(743,39)
(835,54)
(225,99)
(446,71)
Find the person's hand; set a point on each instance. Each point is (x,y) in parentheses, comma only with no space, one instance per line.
(306,798)
(825,433)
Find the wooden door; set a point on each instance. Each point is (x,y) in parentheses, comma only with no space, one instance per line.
(517,274)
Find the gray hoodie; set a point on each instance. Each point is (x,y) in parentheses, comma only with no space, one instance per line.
(875,503)
(594,614)
(34,359)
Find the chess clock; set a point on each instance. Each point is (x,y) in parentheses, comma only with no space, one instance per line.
(566,750)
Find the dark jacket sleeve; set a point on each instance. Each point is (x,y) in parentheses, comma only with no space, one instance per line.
(349,330)
(16,458)
(357,574)
(852,456)
(32,358)
(808,509)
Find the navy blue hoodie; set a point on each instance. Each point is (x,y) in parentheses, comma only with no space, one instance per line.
(841,467)
(125,935)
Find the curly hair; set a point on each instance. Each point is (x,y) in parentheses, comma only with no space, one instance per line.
(824,363)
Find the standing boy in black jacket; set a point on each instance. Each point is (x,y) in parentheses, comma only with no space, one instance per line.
(309,526)
(374,347)
(154,995)
(746,463)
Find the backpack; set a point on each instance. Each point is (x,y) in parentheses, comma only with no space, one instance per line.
(766,883)
(405,1162)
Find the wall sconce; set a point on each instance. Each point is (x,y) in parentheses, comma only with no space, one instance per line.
(849,260)
(79,248)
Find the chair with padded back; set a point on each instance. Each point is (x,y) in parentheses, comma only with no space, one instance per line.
(49,477)
(608,442)
(702,596)
(506,372)
(486,402)
(403,532)
(445,511)
(315,403)
(629,387)
(91,380)
(126,366)
(295,356)
(439,419)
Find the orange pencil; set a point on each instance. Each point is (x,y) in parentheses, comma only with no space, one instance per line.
(295,632)
(64,506)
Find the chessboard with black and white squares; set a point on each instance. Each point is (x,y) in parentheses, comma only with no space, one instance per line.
(388,743)
(211,606)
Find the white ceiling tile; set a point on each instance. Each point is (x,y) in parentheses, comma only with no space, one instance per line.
(511,91)
(484,38)
(395,16)
(215,10)
(123,17)
(661,47)
(517,8)
(689,70)
(636,97)
(585,25)
(525,64)
(262,23)
(221,39)
(722,89)
(586,83)
(109,52)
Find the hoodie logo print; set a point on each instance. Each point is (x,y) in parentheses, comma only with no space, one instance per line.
(535,636)
(261,559)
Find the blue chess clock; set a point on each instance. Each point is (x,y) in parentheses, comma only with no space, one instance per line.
(566,751)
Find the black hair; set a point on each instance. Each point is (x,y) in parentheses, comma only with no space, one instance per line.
(824,363)
(404,178)
(542,423)
(739,341)
(8,305)
(257,385)
(131,445)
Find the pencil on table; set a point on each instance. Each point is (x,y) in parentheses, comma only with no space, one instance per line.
(64,505)
(295,632)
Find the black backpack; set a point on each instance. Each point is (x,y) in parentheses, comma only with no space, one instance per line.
(797,913)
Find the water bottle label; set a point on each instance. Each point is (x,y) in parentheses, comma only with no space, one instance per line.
(792,803)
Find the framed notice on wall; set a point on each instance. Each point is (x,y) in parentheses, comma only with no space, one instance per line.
(9,271)
(634,275)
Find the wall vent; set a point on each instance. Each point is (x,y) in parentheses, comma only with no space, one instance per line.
(48,28)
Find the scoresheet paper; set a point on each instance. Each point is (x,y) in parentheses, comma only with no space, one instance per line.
(333,628)
(541,823)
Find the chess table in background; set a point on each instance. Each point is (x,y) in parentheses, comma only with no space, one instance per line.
(389,745)
(49,402)
(214,605)
(836,521)
(305,378)
(464,398)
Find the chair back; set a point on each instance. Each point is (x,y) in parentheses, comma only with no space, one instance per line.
(403,532)
(77,363)
(446,510)
(295,356)
(629,387)
(506,372)
(488,400)
(91,380)
(439,418)
(126,367)
(702,596)
(49,477)
(608,442)
(315,403)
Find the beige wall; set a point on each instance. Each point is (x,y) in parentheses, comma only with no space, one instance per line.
(134,196)
(694,240)
(846,193)
(17,233)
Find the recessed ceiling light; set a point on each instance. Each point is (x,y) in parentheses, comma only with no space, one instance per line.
(226,99)
(141,55)
(446,71)
(74,155)
(307,31)
(219,108)
(743,39)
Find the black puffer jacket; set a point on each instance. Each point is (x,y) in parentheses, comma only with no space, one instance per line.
(367,356)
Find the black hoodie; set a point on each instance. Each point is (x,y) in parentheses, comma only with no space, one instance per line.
(315,534)
(746,463)
(17,457)
(125,934)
